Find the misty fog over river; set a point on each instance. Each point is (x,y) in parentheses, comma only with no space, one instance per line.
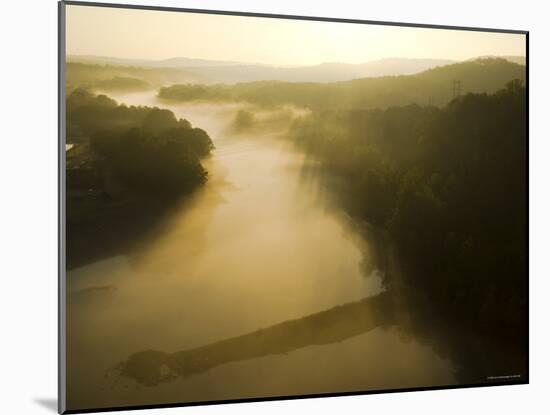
(261,243)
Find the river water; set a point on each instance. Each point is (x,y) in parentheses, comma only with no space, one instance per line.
(261,244)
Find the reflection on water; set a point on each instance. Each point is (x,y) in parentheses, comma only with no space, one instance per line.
(152,367)
(258,286)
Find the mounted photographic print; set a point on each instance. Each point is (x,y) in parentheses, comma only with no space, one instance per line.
(258,207)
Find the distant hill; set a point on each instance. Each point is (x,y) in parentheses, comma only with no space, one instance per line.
(105,77)
(325,72)
(431,87)
(515,59)
(177,62)
(480,75)
(189,70)
(213,71)
(400,66)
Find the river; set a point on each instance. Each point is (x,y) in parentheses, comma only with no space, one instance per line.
(262,243)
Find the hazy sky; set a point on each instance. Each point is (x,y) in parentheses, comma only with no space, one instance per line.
(144,34)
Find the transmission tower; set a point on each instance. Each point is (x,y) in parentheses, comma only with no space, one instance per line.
(456,88)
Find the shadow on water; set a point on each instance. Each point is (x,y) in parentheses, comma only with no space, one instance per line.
(153,367)
(134,230)
(476,359)
(116,229)
(190,219)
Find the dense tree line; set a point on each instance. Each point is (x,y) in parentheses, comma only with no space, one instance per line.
(110,78)
(149,149)
(449,187)
(128,167)
(429,87)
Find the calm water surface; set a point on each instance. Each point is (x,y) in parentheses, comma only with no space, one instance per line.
(259,245)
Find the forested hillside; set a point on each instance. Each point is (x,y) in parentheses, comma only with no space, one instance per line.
(432,87)
(449,187)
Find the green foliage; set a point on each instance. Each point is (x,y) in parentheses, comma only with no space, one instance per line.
(196,92)
(88,113)
(109,78)
(148,149)
(121,83)
(163,164)
(244,120)
(160,119)
(449,186)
